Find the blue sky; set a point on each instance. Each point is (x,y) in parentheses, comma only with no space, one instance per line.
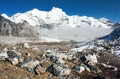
(96,8)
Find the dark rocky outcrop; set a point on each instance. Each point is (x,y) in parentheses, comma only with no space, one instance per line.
(115,34)
(9,28)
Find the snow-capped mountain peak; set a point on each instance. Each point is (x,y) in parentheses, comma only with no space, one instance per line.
(106,21)
(5,16)
(56,17)
(63,26)
(55,9)
(35,10)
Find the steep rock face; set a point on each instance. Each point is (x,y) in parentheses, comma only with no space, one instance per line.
(115,34)
(26,30)
(8,28)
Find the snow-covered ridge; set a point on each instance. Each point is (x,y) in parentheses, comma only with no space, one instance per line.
(57,16)
(56,25)
(5,16)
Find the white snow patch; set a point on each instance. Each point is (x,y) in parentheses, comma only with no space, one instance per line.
(117,53)
(88,45)
(92,58)
(47,39)
(5,16)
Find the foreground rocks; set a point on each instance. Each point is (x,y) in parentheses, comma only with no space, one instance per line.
(14,57)
(54,62)
(81,68)
(59,69)
(29,64)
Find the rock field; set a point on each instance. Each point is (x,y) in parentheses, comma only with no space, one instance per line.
(58,61)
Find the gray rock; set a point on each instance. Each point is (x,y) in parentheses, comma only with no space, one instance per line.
(57,57)
(3,56)
(26,45)
(59,69)
(110,67)
(60,60)
(94,68)
(29,64)
(14,61)
(35,49)
(46,63)
(40,70)
(90,61)
(57,60)
(71,55)
(5,49)
(89,58)
(81,68)
(14,57)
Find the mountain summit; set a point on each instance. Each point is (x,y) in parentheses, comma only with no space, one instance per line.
(57,24)
(57,16)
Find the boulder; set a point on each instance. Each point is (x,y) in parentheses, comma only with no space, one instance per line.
(94,68)
(57,57)
(117,53)
(89,58)
(5,49)
(49,51)
(40,70)
(3,55)
(110,67)
(14,61)
(35,49)
(46,62)
(29,64)
(90,61)
(71,55)
(14,57)
(57,60)
(26,45)
(60,61)
(59,69)
(81,68)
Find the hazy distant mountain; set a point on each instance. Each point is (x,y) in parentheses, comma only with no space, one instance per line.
(57,24)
